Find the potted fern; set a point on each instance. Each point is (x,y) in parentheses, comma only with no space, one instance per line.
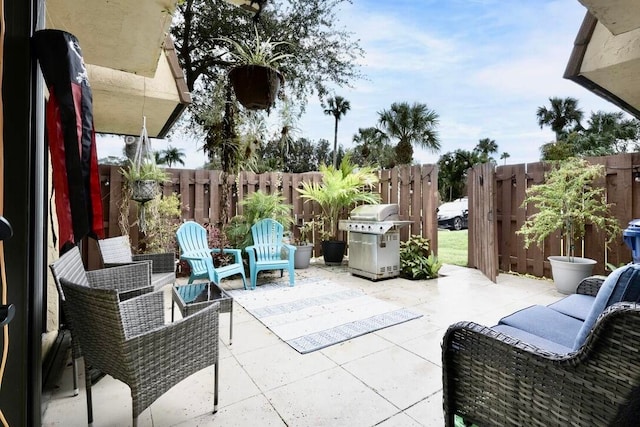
(566,202)
(143,184)
(254,76)
(144,180)
(339,190)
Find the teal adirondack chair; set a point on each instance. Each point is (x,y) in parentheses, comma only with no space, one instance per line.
(192,239)
(268,252)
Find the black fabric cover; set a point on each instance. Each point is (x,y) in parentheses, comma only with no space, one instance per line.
(71,136)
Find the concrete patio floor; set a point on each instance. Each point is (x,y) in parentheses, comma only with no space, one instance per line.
(391,377)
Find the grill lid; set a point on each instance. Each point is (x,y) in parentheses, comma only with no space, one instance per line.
(388,212)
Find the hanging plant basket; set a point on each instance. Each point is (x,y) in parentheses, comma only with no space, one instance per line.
(256,86)
(144,190)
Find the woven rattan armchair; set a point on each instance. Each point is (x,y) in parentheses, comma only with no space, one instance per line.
(130,281)
(129,341)
(492,379)
(117,251)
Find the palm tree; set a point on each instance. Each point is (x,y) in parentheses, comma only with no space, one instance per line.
(336,107)
(372,148)
(485,147)
(505,156)
(172,155)
(410,124)
(562,114)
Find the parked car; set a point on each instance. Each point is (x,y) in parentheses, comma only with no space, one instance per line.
(454,215)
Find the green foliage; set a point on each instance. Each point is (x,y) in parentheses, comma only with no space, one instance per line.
(453,168)
(452,173)
(170,156)
(607,133)
(567,201)
(257,206)
(373,148)
(145,172)
(306,233)
(163,220)
(256,51)
(337,107)
(410,124)
(417,262)
(612,267)
(562,114)
(557,151)
(340,189)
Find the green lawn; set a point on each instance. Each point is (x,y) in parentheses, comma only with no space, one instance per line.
(452,247)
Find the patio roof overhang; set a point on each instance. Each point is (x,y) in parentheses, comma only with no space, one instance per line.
(132,64)
(606,53)
(131,61)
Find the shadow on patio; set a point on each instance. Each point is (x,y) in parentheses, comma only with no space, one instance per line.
(388,377)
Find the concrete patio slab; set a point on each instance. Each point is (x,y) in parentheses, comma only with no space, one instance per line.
(390,377)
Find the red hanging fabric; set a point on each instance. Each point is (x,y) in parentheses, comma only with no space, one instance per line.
(71,137)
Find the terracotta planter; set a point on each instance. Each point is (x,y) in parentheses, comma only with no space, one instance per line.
(255,86)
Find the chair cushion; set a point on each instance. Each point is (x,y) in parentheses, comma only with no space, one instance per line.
(532,339)
(545,323)
(621,285)
(576,305)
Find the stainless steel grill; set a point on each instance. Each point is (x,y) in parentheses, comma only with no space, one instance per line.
(374,240)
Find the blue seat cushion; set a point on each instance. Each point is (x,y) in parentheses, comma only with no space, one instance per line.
(532,339)
(576,305)
(621,285)
(545,323)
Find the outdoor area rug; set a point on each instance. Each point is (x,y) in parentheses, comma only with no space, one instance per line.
(317,313)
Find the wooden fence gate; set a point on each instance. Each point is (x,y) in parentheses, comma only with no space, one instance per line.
(496,213)
(483,247)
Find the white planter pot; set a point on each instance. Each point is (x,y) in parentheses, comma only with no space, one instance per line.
(568,274)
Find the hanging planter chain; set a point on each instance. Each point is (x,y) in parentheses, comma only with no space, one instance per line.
(143,190)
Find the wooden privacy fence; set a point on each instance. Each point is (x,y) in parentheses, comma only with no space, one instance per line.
(414,188)
(511,184)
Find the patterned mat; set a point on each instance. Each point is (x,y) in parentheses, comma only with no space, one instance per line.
(317,313)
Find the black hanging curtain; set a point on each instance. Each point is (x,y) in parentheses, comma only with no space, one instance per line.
(71,137)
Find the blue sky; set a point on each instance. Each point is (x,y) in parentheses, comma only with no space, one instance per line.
(484,66)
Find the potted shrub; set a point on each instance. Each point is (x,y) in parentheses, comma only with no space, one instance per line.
(339,190)
(254,76)
(566,202)
(257,206)
(304,250)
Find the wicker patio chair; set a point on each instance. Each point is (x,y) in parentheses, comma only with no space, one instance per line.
(130,281)
(117,251)
(129,341)
(492,379)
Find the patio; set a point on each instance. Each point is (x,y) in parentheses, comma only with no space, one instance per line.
(391,377)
